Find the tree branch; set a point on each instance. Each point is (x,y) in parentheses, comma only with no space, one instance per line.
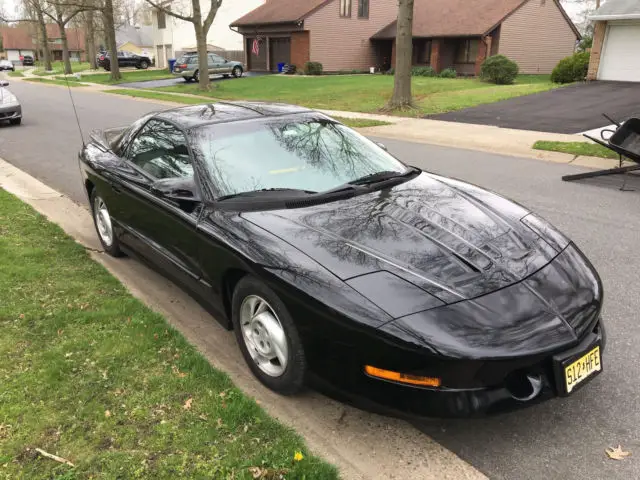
(215,5)
(169,12)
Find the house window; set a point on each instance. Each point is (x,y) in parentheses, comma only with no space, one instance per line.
(467,51)
(345,8)
(162,20)
(363,8)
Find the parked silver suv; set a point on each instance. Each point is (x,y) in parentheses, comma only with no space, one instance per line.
(187,67)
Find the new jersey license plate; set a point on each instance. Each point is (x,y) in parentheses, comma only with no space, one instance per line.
(584,367)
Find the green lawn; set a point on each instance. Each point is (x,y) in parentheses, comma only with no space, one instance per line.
(57,81)
(369,93)
(16,73)
(361,122)
(58,68)
(92,375)
(576,148)
(127,76)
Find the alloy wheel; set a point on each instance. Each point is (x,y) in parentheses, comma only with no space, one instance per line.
(264,336)
(103,221)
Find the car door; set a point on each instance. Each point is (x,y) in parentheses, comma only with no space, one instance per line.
(160,228)
(220,64)
(212,64)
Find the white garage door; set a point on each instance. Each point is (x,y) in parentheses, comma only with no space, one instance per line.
(621,54)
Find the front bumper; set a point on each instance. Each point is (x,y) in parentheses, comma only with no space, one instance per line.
(414,402)
(10,112)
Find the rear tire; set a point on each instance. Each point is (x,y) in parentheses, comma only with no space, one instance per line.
(104,226)
(196,76)
(267,337)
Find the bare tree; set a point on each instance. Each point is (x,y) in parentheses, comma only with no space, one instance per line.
(201,26)
(401,98)
(62,15)
(90,37)
(107,9)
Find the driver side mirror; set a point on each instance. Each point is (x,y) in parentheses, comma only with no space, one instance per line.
(382,146)
(4,83)
(180,190)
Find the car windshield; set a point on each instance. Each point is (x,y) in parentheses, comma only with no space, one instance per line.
(302,153)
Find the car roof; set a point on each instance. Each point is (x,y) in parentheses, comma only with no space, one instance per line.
(220,112)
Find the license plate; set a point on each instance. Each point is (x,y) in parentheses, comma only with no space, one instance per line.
(578,371)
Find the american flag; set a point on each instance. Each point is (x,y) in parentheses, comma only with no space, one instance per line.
(255,48)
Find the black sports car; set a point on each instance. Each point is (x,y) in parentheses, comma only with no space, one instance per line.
(335,262)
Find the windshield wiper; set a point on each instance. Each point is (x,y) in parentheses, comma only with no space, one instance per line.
(381,176)
(253,193)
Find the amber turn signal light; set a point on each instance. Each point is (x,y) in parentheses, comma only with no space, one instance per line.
(402,377)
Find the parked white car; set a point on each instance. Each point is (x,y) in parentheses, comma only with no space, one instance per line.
(10,108)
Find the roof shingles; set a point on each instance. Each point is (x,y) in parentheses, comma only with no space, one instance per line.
(455,18)
(279,11)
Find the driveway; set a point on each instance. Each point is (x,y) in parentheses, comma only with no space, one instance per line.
(169,82)
(571,109)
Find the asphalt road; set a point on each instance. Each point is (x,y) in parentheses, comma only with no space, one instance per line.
(563,438)
(572,109)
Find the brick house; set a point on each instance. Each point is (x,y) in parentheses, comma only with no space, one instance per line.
(23,40)
(333,32)
(460,34)
(616,42)
(358,34)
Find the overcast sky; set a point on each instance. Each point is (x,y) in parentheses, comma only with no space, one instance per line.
(573,7)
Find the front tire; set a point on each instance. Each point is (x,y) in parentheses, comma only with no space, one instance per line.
(144,65)
(237,71)
(267,337)
(104,226)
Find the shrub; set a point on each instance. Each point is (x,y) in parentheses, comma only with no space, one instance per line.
(571,69)
(313,68)
(391,71)
(423,72)
(448,73)
(499,69)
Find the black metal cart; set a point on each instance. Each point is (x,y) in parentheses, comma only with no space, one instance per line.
(624,140)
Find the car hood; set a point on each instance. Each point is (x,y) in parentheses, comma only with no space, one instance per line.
(432,234)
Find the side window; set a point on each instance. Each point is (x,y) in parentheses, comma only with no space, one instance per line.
(212,59)
(160,149)
(217,59)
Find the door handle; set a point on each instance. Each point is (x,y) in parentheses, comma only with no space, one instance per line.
(115,188)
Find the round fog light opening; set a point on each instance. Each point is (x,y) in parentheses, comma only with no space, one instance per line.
(524,386)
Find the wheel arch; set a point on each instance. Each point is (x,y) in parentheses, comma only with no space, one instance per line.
(229,281)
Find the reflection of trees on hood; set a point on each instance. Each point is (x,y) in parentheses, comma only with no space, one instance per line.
(325,146)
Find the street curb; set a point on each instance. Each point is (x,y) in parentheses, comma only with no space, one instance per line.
(362,445)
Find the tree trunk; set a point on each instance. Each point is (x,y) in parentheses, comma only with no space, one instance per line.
(201,42)
(404,43)
(65,47)
(203,58)
(46,56)
(110,37)
(90,40)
